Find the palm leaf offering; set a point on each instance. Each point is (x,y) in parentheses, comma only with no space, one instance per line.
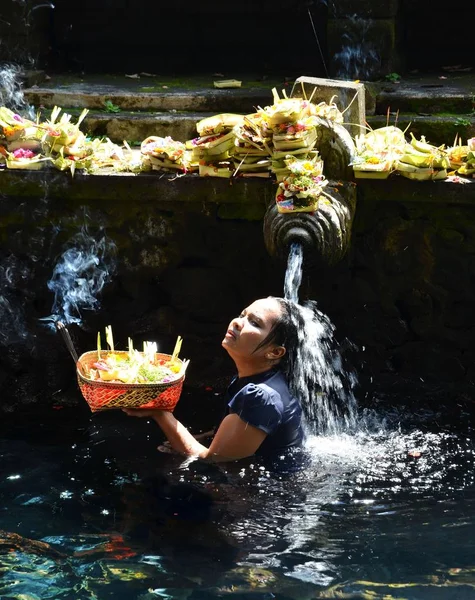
(462,157)
(423,161)
(134,367)
(377,152)
(300,190)
(229,145)
(60,143)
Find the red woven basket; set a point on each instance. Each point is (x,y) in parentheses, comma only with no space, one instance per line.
(105,395)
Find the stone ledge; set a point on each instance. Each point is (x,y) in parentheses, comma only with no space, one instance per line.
(143,187)
(399,189)
(167,188)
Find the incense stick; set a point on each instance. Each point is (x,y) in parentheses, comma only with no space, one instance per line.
(67,340)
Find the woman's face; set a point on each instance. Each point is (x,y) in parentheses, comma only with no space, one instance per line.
(252,326)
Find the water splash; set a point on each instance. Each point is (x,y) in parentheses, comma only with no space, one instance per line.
(358,57)
(317,373)
(79,277)
(293,274)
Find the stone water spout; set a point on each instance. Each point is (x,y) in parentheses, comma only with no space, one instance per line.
(325,234)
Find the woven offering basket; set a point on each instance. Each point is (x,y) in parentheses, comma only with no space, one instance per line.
(105,395)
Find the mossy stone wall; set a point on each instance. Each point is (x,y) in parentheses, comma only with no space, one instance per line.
(188,261)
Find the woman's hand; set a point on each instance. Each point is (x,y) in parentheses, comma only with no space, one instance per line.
(143,412)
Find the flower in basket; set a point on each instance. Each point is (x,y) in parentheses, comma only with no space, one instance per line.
(131,379)
(468,168)
(423,161)
(105,156)
(253,136)
(61,132)
(328,111)
(166,153)
(377,152)
(22,158)
(163,147)
(301,189)
(11,124)
(296,134)
(285,110)
(14,130)
(135,367)
(72,162)
(457,155)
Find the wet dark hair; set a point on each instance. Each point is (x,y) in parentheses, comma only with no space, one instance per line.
(284,333)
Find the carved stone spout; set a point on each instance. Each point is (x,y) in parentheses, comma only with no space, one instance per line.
(324,234)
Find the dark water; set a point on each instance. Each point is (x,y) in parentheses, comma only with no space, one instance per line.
(383,515)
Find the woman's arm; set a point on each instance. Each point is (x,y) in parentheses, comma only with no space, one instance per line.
(234,439)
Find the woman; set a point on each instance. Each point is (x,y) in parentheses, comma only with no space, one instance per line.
(264,418)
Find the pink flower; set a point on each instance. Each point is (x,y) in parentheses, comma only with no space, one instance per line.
(22,153)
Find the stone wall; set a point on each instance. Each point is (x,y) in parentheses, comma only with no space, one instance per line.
(406,297)
(355,39)
(25,30)
(364,39)
(185,37)
(190,254)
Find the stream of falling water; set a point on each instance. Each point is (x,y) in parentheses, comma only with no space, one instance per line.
(318,376)
(293,274)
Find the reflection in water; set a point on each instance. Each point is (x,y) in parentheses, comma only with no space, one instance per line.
(369,510)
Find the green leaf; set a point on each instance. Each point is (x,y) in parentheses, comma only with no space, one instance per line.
(110,107)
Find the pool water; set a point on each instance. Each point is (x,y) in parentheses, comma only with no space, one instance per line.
(91,510)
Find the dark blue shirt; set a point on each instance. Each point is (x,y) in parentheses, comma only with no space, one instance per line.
(264,401)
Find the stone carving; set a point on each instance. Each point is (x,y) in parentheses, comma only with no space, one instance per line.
(325,234)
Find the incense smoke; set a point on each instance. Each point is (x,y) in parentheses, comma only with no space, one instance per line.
(11,92)
(14,277)
(79,277)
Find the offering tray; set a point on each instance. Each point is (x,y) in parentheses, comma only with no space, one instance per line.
(105,395)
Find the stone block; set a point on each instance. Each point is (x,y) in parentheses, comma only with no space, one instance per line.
(368,9)
(349,95)
(362,48)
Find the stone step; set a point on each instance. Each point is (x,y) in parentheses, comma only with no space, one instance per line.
(427,94)
(153,93)
(434,107)
(135,127)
